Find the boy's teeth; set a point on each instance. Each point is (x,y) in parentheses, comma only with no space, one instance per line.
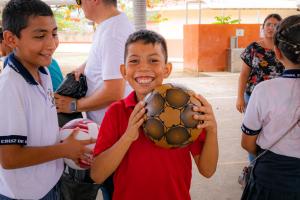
(46,55)
(144,80)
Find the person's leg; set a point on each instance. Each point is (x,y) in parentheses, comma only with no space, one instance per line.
(77,185)
(107,188)
(251,157)
(246,99)
(105,193)
(53,194)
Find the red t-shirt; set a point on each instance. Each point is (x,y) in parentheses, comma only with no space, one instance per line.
(147,172)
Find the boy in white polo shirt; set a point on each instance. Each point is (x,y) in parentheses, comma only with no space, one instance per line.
(30,150)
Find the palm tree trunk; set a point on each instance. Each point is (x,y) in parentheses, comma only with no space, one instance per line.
(139,14)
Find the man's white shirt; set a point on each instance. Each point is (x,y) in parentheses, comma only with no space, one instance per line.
(106,56)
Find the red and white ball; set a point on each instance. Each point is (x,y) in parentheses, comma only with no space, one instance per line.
(88,130)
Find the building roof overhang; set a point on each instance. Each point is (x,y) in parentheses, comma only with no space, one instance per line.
(49,2)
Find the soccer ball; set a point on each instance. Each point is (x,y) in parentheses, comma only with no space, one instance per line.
(88,130)
(169,118)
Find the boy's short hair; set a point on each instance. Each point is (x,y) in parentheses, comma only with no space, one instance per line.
(110,2)
(16,14)
(147,37)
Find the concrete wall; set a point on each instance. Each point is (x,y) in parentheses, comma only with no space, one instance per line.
(206,45)
(172,29)
(234,63)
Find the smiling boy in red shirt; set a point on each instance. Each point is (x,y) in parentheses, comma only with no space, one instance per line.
(142,169)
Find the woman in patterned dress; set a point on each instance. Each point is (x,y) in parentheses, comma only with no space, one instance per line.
(259,64)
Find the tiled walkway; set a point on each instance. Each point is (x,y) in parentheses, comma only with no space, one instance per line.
(220,90)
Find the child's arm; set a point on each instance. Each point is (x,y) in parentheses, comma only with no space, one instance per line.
(207,161)
(253,121)
(110,91)
(17,156)
(249,143)
(107,162)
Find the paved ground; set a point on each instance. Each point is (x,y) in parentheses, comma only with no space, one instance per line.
(220,90)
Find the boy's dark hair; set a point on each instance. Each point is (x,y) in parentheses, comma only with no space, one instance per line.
(16,14)
(148,37)
(273,15)
(287,39)
(110,2)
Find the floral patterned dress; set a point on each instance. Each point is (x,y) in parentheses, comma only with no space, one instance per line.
(263,64)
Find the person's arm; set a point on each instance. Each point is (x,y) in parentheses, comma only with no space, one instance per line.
(16,156)
(253,120)
(248,142)
(207,161)
(244,75)
(107,162)
(110,91)
(79,70)
(63,102)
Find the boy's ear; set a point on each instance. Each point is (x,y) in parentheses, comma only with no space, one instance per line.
(10,39)
(123,70)
(167,70)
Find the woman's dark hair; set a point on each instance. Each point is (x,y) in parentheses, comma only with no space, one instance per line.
(16,14)
(148,37)
(1,35)
(273,15)
(287,38)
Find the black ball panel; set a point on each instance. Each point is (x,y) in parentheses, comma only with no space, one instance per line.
(177,97)
(154,128)
(177,135)
(187,118)
(154,104)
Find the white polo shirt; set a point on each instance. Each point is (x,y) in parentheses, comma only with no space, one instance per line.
(106,56)
(273,108)
(28,117)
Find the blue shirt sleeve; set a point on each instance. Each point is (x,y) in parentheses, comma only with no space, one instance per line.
(56,74)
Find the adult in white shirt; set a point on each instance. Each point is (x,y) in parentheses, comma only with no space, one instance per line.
(102,70)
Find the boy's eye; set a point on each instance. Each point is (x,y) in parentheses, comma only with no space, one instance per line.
(133,61)
(154,60)
(39,36)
